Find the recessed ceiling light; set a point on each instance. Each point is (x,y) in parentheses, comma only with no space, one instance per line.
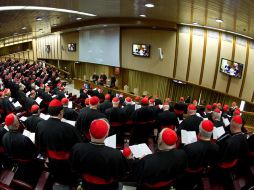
(195,23)
(54,25)
(24,28)
(78,18)
(39,18)
(149,5)
(219,20)
(142,15)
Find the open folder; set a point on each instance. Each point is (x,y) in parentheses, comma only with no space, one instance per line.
(218,132)
(38,100)
(188,137)
(140,150)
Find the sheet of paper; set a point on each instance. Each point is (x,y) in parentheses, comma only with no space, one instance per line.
(188,137)
(23,118)
(6,128)
(28,93)
(198,114)
(10,99)
(45,117)
(110,141)
(137,106)
(225,121)
(69,121)
(70,104)
(140,150)
(36,87)
(30,135)
(218,132)
(54,96)
(17,104)
(38,100)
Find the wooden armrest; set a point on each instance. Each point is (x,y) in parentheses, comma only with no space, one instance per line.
(6,176)
(21,184)
(42,181)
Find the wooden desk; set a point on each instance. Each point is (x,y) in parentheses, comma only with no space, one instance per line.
(78,83)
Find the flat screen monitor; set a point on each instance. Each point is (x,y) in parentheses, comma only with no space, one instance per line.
(72,47)
(231,68)
(142,50)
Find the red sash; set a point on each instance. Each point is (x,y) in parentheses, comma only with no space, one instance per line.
(96,180)
(58,155)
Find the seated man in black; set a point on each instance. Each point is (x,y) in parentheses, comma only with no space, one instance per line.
(160,168)
(100,166)
(21,149)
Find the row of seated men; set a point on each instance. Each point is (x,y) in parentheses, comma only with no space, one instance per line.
(79,151)
(74,152)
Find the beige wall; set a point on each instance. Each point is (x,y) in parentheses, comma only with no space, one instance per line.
(157,39)
(190,54)
(58,46)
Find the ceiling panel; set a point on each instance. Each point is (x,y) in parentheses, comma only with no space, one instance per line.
(237,14)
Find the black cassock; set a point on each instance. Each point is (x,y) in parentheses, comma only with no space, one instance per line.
(232,147)
(57,138)
(167,118)
(201,154)
(84,120)
(21,147)
(161,166)
(32,121)
(96,160)
(70,114)
(190,124)
(105,105)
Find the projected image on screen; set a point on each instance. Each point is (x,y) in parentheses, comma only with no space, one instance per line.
(231,68)
(142,50)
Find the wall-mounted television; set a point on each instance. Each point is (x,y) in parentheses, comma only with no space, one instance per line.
(72,47)
(231,68)
(142,50)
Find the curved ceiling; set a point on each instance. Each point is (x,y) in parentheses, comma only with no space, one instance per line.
(236,14)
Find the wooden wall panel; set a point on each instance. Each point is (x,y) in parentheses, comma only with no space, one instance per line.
(226,52)
(67,38)
(211,58)
(249,87)
(183,53)
(197,55)
(240,56)
(157,39)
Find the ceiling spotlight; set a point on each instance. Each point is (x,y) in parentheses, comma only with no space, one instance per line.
(142,15)
(219,20)
(78,18)
(195,23)
(149,5)
(24,28)
(39,18)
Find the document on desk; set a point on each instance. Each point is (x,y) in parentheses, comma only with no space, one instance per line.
(70,104)
(17,104)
